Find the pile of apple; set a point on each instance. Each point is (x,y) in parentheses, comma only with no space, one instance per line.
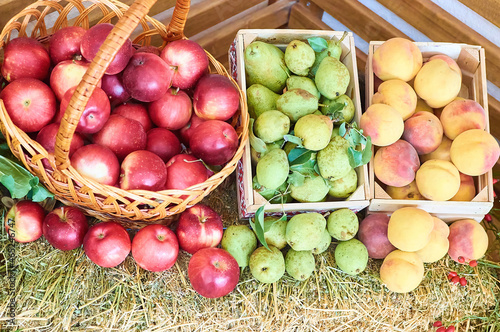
(155,121)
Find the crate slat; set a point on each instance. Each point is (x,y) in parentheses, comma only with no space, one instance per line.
(489,9)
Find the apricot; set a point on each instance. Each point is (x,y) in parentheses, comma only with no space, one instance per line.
(474,152)
(438,244)
(397,58)
(410,191)
(438,82)
(396,164)
(398,94)
(424,131)
(468,240)
(402,271)
(441,153)
(461,115)
(382,123)
(467,190)
(422,106)
(438,180)
(410,228)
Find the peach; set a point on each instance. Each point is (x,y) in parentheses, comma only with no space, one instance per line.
(438,83)
(410,191)
(382,123)
(396,164)
(441,153)
(467,190)
(468,240)
(474,152)
(397,58)
(438,111)
(461,115)
(438,180)
(410,228)
(402,271)
(422,106)
(438,245)
(452,63)
(398,94)
(424,131)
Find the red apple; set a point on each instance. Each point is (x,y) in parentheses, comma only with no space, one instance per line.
(188,61)
(213,272)
(155,248)
(97,162)
(47,138)
(184,171)
(149,49)
(65,44)
(188,129)
(146,77)
(66,75)
(107,244)
(65,227)
(25,57)
(216,98)
(31,104)
(143,170)
(163,143)
(122,136)
(113,86)
(199,227)
(214,141)
(92,41)
(24,221)
(172,111)
(137,112)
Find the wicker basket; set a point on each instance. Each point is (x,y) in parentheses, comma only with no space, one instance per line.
(135,208)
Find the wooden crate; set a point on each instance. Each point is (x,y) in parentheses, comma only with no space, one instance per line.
(250,200)
(471,60)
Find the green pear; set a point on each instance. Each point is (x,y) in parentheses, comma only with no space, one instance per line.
(299,57)
(324,244)
(332,78)
(335,132)
(314,130)
(345,186)
(267,266)
(304,83)
(289,146)
(279,195)
(304,231)
(333,49)
(260,99)
(265,64)
(342,224)
(300,264)
(272,169)
(271,126)
(240,241)
(341,108)
(351,256)
(296,103)
(314,189)
(256,156)
(333,161)
(275,235)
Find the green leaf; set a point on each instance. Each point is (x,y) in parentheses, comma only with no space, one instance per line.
(294,139)
(258,226)
(318,44)
(306,169)
(343,129)
(354,157)
(296,153)
(302,158)
(335,107)
(367,152)
(296,179)
(256,142)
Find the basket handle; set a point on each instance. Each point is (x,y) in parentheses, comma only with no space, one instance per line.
(116,38)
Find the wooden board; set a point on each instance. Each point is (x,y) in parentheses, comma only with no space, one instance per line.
(489,9)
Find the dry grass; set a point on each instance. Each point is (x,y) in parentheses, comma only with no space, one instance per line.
(65,291)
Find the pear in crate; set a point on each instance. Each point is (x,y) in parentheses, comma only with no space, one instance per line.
(342,224)
(271,126)
(333,49)
(260,99)
(265,64)
(314,189)
(267,266)
(297,103)
(304,83)
(275,235)
(345,186)
(351,256)
(314,130)
(256,156)
(272,169)
(341,108)
(304,231)
(300,264)
(240,242)
(299,57)
(332,78)
(324,244)
(279,195)
(333,160)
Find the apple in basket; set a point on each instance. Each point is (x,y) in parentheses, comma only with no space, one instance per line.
(199,227)
(24,221)
(65,227)
(215,98)
(189,129)
(214,141)
(155,248)
(107,244)
(65,44)
(134,111)
(184,171)
(172,111)
(143,169)
(98,163)
(163,143)
(113,86)
(25,57)
(67,74)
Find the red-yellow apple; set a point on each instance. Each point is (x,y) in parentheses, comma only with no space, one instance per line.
(107,244)
(184,171)
(215,98)
(24,221)
(97,162)
(172,111)
(143,169)
(25,57)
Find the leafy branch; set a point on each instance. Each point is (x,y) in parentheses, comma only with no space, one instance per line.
(360,149)
(260,227)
